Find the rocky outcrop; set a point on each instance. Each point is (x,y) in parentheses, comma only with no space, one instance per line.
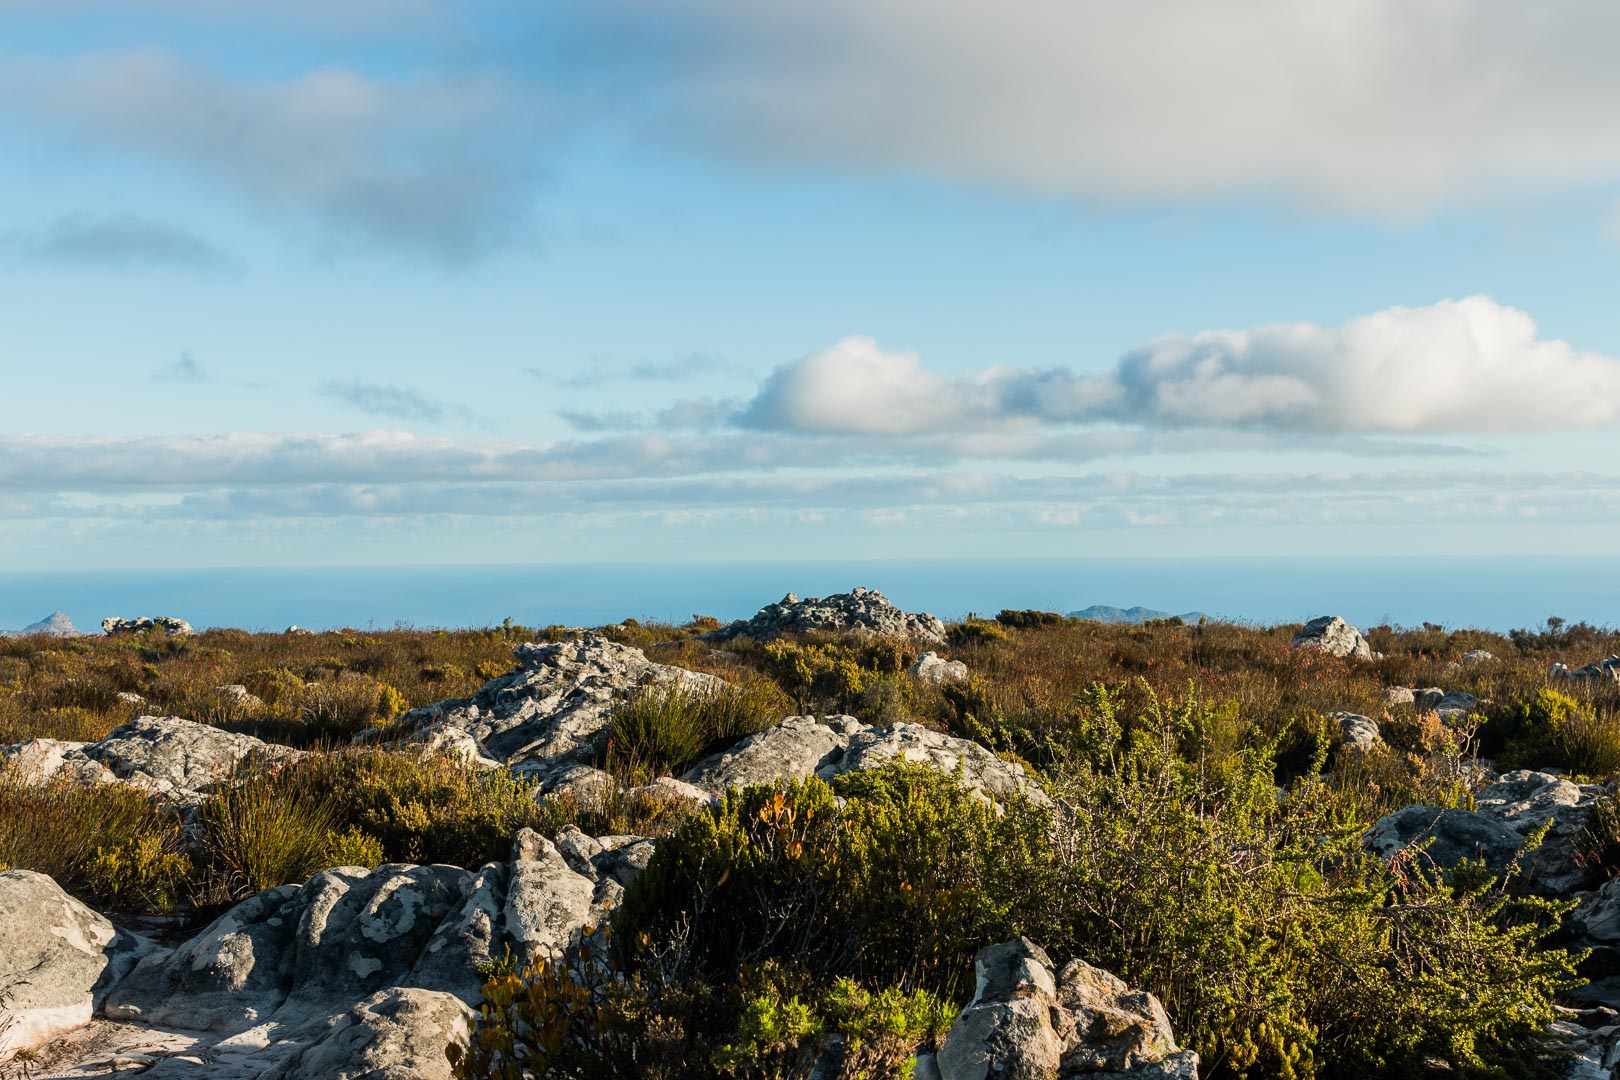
(859,611)
(237,694)
(933,670)
(56,958)
(1334,636)
(1357,732)
(1399,695)
(1505,813)
(547,716)
(1025,1020)
(803,746)
(177,758)
(1599,671)
(354,973)
(115,627)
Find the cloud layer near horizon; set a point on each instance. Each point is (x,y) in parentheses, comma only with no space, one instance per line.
(1468,366)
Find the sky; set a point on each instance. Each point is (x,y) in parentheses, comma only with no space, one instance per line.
(342,282)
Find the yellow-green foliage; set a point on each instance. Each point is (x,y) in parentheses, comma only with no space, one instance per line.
(260,832)
(860,677)
(665,730)
(110,845)
(1554,730)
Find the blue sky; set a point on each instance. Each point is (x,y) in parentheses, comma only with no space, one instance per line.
(410,281)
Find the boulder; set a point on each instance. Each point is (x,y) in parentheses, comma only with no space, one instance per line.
(56,959)
(401,1033)
(116,627)
(1399,695)
(859,611)
(179,758)
(1473,658)
(1334,636)
(38,761)
(1357,732)
(1026,1021)
(802,746)
(931,670)
(126,697)
(298,631)
(1505,813)
(548,715)
(237,694)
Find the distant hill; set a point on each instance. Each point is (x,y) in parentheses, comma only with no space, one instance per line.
(1134,615)
(55,624)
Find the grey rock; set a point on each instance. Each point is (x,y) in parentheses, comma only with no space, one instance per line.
(1506,813)
(115,627)
(1026,1021)
(1601,671)
(1334,636)
(1359,733)
(298,631)
(1456,705)
(400,1033)
(578,849)
(1399,695)
(932,670)
(802,746)
(859,611)
(548,715)
(1474,657)
(179,758)
(40,760)
(56,959)
(237,694)
(126,697)
(667,789)
(792,749)
(1428,698)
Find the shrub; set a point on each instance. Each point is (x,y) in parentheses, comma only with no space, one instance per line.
(1029,619)
(667,729)
(110,845)
(974,632)
(259,833)
(1554,730)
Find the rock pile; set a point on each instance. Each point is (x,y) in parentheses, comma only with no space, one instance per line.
(546,718)
(1334,636)
(1025,1020)
(115,627)
(859,611)
(355,973)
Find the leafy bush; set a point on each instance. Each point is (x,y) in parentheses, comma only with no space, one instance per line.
(1029,619)
(1554,730)
(974,632)
(110,845)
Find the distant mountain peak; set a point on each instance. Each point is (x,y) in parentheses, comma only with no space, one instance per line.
(56,624)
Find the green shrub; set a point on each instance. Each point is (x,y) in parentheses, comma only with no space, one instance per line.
(1554,730)
(259,833)
(1029,619)
(667,729)
(110,845)
(974,632)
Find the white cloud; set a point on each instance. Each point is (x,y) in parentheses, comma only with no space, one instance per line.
(1390,106)
(1466,366)
(434,165)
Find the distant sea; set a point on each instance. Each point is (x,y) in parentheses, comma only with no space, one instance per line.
(1488,592)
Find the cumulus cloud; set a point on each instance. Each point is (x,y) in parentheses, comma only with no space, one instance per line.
(1389,106)
(1462,367)
(432,165)
(128,241)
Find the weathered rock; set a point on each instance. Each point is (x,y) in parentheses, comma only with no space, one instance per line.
(668,789)
(56,958)
(298,631)
(931,670)
(1505,813)
(984,772)
(802,746)
(115,627)
(547,716)
(54,625)
(237,694)
(1473,658)
(1456,705)
(859,611)
(40,760)
(1359,733)
(1024,1021)
(1334,636)
(1398,695)
(795,748)
(1602,671)
(179,758)
(126,697)
(400,1033)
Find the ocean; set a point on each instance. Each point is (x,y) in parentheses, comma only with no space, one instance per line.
(1488,592)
